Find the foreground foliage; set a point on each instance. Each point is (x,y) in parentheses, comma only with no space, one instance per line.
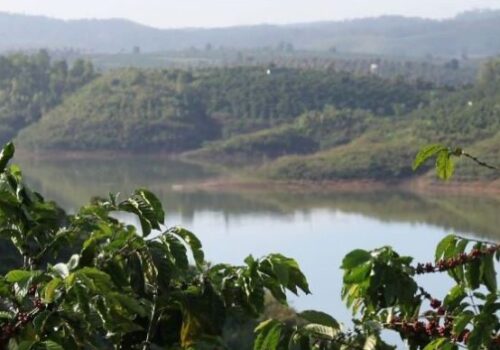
(382,289)
(87,280)
(90,281)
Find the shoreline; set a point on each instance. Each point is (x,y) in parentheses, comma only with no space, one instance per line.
(92,155)
(421,184)
(418,185)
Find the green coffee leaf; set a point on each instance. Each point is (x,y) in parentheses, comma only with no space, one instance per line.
(488,273)
(355,258)
(50,290)
(320,331)
(16,276)
(370,343)
(444,244)
(6,155)
(193,243)
(455,296)
(461,321)
(440,344)
(51,345)
(444,165)
(269,335)
(426,153)
(319,318)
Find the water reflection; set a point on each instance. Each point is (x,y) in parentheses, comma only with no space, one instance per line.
(73,182)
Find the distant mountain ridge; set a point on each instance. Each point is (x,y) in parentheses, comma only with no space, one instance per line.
(472,33)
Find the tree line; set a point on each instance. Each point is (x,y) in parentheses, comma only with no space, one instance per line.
(30,85)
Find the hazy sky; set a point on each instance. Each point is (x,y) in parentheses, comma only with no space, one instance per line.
(215,13)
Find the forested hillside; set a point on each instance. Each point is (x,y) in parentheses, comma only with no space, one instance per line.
(281,123)
(246,98)
(474,34)
(128,110)
(342,143)
(310,133)
(32,85)
(171,111)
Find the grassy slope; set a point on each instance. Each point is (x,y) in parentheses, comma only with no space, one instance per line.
(367,157)
(327,145)
(310,133)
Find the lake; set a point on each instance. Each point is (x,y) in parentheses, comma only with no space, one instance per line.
(317,228)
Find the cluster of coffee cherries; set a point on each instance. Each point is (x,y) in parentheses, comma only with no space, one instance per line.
(451,263)
(22,318)
(437,324)
(428,329)
(436,304)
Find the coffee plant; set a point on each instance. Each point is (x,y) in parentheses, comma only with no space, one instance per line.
(89,281)
(381,289)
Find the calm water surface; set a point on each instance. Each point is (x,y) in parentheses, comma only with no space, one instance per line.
(315,228)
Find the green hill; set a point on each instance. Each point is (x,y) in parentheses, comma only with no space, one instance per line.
(325,145)
(371,156)
(172,110)
(295,124)
(346,144)
(32,85)
(125,110)
(247,99)
(310,133)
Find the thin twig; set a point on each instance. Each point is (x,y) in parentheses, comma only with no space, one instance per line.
(152,321)
(473,302)
(474,239)
(154,312)
(479,162)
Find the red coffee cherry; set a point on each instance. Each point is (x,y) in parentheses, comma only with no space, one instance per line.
(32,290)
(435,303)
(442,331)
(430,328)
(476,253)
(39,304)
(23,318)
(419,327)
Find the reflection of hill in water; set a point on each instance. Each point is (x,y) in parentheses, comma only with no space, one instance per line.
(72,182)
(452,212)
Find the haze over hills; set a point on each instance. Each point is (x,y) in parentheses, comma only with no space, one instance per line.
(471,33)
